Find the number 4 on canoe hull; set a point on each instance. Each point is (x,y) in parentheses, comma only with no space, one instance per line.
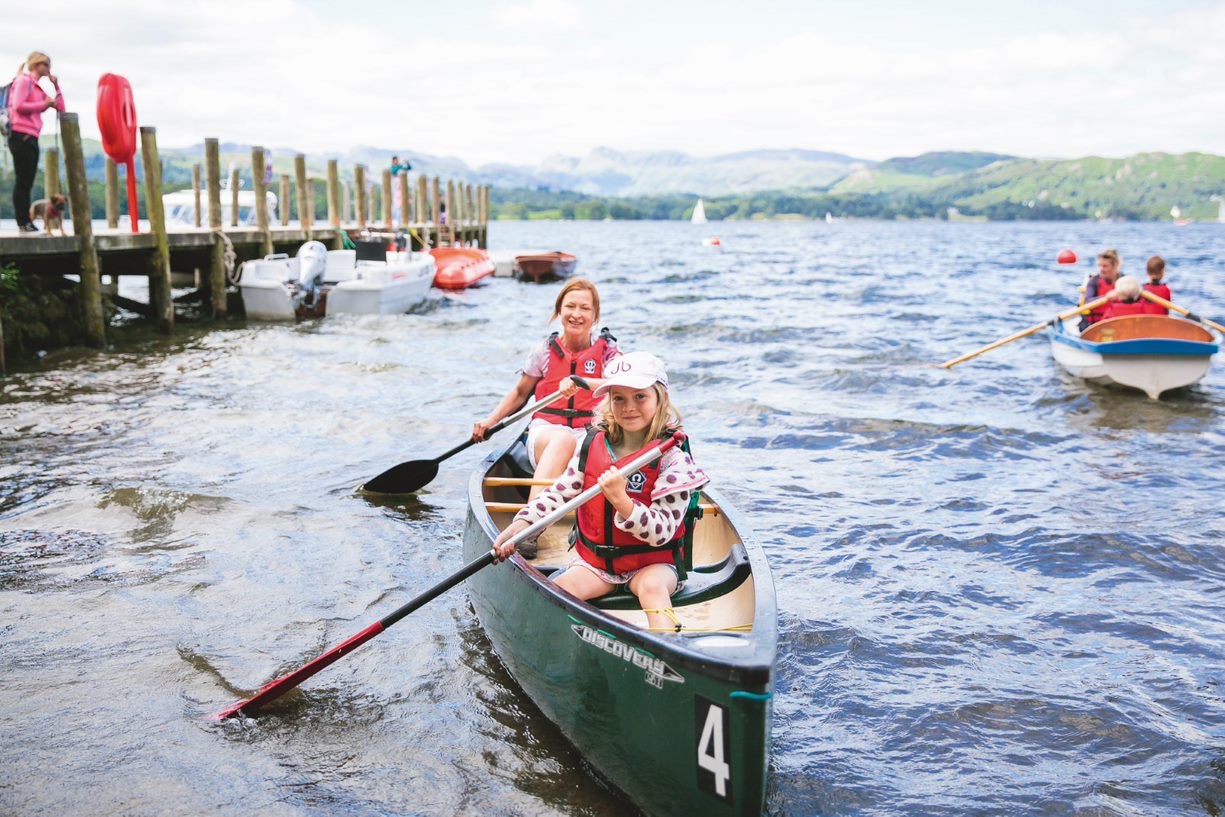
(714,748)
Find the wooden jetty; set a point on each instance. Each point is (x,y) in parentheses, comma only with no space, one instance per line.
(211,253)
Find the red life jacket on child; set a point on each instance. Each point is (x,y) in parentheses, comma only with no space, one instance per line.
(601,543)
(1161,291)
(562,363)
(1120,308)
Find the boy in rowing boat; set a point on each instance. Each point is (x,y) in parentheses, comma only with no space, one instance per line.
(1155,285)
(631,535)
(1128,300)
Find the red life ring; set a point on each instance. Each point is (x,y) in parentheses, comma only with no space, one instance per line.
(117,118)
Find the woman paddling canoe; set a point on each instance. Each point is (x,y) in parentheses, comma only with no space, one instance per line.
(554,433)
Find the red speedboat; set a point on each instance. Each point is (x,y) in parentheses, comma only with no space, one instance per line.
(460,267)
(546,266)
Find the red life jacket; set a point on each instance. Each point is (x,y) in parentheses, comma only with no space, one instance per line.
(1161,291)
(1120,308)
(1096,289)
(562,363)
(601,543)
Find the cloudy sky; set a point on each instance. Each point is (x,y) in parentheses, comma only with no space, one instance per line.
(518,80)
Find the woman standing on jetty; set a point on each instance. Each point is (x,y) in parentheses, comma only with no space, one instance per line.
(27,103)
(555,431)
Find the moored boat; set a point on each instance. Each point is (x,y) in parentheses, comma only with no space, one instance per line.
(318,281)
(678,721)
(1152,353)
(460,267)
(545,266)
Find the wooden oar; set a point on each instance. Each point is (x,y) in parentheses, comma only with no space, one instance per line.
(275,689)
(414,474)
(1157,299)
(1062,316)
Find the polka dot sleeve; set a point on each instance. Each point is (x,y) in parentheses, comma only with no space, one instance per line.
(656,525)
(568,486)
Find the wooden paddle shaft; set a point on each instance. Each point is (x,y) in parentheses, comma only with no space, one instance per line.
(1062,316)
(515,507)
(1157,299)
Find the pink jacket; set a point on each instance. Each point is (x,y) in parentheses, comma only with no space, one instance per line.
(26,105)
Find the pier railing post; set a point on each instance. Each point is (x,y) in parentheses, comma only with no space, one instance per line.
(217,282)
(387,200)
(112,194)
(422,209)
(436,210)
(83,231)
(235,183)
(160,296)
(195,190)
(334,202)
(51,172)
(359,188)
(306,195)
(405,202)
(258,168)
(283,204)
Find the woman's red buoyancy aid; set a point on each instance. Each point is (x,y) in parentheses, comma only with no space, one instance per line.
(594,519)
(1102,288)
(563,363)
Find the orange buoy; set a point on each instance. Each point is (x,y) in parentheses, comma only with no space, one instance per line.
(1067,256)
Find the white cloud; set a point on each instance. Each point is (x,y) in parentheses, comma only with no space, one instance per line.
(284,75)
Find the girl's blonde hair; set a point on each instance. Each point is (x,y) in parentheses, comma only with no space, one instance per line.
(35,58)
(571,285)
(667,416)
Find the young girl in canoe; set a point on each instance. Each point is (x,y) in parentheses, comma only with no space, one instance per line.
(643,515)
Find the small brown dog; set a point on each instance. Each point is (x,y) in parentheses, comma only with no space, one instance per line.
(51,211)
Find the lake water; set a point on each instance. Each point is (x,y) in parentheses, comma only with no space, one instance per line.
(1001,590)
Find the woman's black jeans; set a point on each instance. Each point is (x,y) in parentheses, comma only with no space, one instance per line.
(24,148)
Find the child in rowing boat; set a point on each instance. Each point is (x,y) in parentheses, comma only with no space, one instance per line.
(1155,285)
(1128,301)
(643,515)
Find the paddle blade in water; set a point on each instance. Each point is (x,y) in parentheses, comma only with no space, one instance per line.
(403,478)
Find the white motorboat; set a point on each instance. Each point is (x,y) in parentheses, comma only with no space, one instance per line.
(319,281)
(180,207)
(1152,353)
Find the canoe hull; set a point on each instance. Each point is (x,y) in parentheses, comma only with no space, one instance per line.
(1151,363)
(645,710)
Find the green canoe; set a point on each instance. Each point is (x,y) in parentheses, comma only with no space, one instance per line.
(679,722)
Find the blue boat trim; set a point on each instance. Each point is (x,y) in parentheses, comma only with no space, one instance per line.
(1139,346)
(751,696)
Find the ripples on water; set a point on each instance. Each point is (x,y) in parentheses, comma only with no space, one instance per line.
(1000,587)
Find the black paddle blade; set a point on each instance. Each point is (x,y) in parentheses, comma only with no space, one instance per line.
(403,478)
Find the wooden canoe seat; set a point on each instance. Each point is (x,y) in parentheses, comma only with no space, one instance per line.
(1134,327)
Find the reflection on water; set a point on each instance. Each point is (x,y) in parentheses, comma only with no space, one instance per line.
(1000,586)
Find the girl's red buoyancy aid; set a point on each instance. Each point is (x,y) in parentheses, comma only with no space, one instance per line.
(1161,291)
(601,543)
(1119,309)
(562,363)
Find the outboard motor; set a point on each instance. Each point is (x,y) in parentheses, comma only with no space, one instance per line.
(312,263)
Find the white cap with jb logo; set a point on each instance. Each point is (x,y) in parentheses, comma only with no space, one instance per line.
(637,370)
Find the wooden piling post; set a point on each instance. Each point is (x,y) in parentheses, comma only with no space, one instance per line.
(436,209)
(51,172)
(405,203)
(387,200)
(452,215)
(422,208)
(306,197)
(258,167)
(112,194)
(334,193)
(160,296)
(235,181)
(485,217)
(216,278)
(359,188)
(83,231)
(283,203)
(346,202)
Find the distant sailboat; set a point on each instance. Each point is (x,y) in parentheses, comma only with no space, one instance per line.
(699,214)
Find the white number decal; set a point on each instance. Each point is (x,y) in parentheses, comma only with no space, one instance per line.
(710,749)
